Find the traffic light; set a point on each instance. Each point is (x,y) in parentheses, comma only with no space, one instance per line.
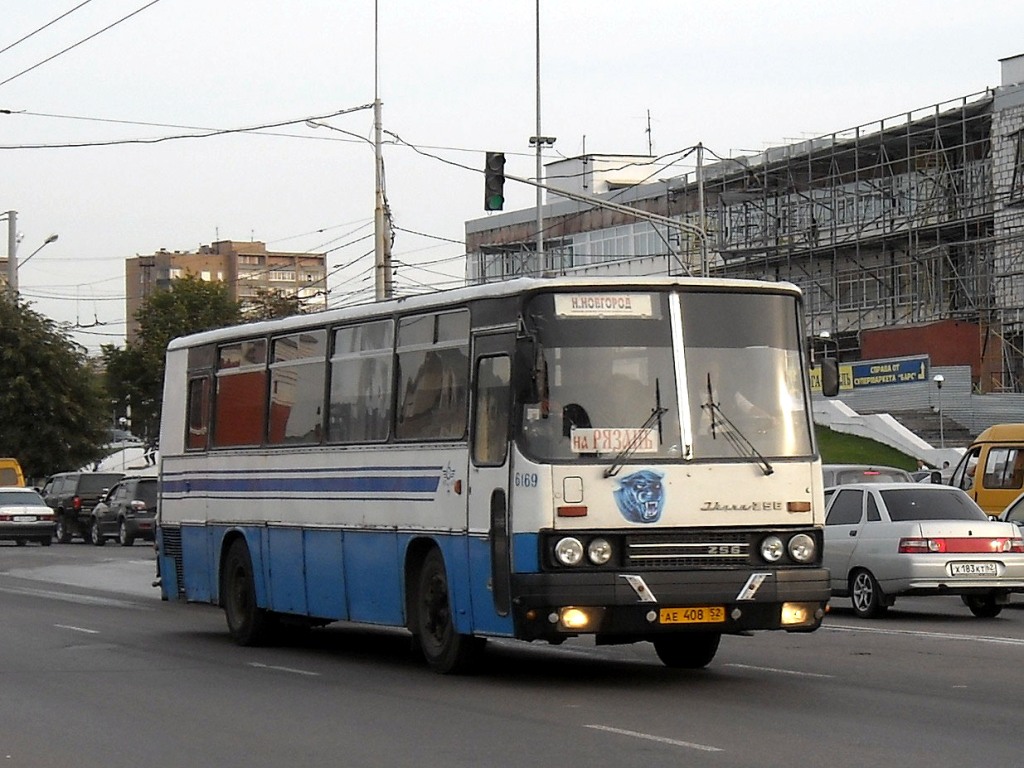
(494,181)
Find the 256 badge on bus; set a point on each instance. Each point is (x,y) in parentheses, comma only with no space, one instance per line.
(700,614)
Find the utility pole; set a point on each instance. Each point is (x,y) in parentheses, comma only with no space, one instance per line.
(12,252)
(381,236)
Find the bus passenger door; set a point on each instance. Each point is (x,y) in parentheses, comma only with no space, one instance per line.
(488,475)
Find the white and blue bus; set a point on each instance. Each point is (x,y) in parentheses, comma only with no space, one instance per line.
(631,459)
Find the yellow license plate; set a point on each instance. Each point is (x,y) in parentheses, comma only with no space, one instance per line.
(703,614)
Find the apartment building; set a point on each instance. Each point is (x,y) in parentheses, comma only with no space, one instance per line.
(247,268)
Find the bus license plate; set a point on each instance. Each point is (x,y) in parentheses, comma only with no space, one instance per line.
(704,614)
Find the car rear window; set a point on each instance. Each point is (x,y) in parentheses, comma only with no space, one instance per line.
(30,499)
(911,504)
(146,491)
(96,483)
(871,476)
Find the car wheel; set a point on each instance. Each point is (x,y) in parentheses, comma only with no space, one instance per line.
(689,651)
(445,650)
(982,606)
(47,541)
(866,595)
(123,537)
(96,535)
(247,622)
(19,542)
(62,532)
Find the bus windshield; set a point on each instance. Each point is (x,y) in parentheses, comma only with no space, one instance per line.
(605,375)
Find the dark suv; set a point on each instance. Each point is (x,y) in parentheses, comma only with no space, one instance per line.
(127,512)
(72,495)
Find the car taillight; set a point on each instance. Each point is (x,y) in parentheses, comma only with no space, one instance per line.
(961,545)
(76,503)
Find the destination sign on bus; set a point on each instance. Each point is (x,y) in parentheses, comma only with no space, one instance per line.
(603,305)
(613,440)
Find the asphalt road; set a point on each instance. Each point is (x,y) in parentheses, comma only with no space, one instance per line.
(96,671)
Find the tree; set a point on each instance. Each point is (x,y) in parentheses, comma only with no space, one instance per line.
(135,374)
(268,304)
(53,415)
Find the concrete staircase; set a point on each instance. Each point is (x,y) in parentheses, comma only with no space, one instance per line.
(926,425)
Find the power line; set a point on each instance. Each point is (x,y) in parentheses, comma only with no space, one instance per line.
(47,24)
(83,40)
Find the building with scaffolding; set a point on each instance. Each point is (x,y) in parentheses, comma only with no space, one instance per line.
(906,234)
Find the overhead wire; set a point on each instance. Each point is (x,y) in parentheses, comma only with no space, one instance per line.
(47,24)
(80,42)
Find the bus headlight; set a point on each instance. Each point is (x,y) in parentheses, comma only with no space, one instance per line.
(772,549)
(599,551)
(569,551)
(802,548)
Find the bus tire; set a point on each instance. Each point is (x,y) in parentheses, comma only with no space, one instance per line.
(248,623)
(687,651)
(445,650)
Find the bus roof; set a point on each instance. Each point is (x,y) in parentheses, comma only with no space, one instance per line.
(435,299)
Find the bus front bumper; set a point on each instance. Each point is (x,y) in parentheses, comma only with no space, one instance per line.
(623,607)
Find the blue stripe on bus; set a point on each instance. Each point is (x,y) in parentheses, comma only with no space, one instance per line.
(292,484)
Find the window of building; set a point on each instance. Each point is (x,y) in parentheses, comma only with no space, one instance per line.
(1017,184)
(360,404)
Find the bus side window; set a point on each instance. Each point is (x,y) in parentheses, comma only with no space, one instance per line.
(198,413)
(491,410)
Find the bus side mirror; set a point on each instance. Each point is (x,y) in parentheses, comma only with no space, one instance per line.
(829,377)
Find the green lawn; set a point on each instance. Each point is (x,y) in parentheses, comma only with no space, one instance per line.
(837,448)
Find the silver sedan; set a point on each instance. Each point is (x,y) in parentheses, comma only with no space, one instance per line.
(886,540)
(24,516)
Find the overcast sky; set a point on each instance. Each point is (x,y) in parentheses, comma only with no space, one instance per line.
(457,78)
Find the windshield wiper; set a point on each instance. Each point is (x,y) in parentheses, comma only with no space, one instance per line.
(635,442)
(732,433)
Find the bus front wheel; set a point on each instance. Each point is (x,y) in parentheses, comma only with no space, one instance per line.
(687,651)
(445,650)
(247,623)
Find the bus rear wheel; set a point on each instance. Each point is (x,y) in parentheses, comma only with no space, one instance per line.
(247,623)
(445,650)
(688,651)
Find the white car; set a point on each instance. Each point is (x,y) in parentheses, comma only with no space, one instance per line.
(891,539)
(24,516)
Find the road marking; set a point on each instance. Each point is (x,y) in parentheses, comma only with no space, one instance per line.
(72,598)
(932,635)
(779,671)
(77,629)
(291,670)
(652,737)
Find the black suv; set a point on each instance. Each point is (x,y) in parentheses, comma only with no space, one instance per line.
(128,511)
(72,495)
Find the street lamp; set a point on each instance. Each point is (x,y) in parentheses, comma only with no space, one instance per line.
(938,378)
(46,242)
(826,338)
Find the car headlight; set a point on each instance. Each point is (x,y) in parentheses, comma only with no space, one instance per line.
(599,551)
(802,548)
(772,549)
(569,551)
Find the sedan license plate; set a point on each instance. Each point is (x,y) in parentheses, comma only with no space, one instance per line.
(24,518)
(702,614)
(972,569)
